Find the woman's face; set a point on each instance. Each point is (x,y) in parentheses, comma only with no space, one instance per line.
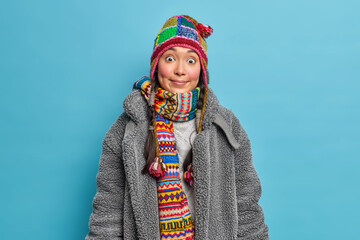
(179,70)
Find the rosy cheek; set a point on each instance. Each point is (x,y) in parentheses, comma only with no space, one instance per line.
(164,70)
(194,74)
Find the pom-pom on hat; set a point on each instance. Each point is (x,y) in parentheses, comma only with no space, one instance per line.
(182,31)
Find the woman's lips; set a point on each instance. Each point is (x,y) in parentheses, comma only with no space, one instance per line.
(179,82)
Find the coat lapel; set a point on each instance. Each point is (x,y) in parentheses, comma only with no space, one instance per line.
(201,163)
(142,187)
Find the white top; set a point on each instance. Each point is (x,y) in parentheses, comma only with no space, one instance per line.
(185,133)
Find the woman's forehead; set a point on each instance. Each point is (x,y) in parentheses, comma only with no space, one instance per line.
(181,49)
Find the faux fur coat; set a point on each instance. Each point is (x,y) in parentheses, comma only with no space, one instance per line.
(226,185)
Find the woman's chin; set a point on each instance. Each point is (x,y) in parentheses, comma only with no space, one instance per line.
(179,90)
(183,88)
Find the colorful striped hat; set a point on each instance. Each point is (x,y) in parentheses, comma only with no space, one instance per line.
(182,31)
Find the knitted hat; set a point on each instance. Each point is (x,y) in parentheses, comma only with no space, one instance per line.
(182,31)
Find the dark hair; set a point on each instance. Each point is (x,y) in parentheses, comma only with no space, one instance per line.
(150,145)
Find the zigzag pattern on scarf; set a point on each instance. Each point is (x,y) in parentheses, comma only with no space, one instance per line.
(175,217)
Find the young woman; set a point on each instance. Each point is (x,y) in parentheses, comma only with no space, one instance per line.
(176,164)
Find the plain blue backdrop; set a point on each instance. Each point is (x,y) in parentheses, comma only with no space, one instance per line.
(288,69)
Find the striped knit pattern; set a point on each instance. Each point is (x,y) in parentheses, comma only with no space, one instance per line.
(175,218)
(177,107)
(144,84)
(174,106)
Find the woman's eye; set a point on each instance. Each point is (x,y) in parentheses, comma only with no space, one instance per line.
(169,59)
(191,60)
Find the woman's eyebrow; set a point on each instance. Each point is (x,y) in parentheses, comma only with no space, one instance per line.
(190,50)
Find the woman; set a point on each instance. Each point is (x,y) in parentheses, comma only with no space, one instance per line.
(176,164)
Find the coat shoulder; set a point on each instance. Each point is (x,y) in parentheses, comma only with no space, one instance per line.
(114,136)
(234,124)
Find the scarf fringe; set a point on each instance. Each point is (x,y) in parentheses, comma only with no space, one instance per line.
(158,168)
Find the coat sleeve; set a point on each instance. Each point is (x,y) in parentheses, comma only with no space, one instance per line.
(248,190)
(106,220)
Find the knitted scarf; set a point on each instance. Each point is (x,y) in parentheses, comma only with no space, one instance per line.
(175,218)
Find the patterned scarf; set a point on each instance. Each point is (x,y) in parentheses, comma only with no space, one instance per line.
(175,218)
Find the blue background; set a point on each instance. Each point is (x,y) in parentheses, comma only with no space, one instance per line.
(288,69)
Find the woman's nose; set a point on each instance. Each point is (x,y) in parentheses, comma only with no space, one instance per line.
(180,69)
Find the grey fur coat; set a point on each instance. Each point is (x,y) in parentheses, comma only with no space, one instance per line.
(226,185)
